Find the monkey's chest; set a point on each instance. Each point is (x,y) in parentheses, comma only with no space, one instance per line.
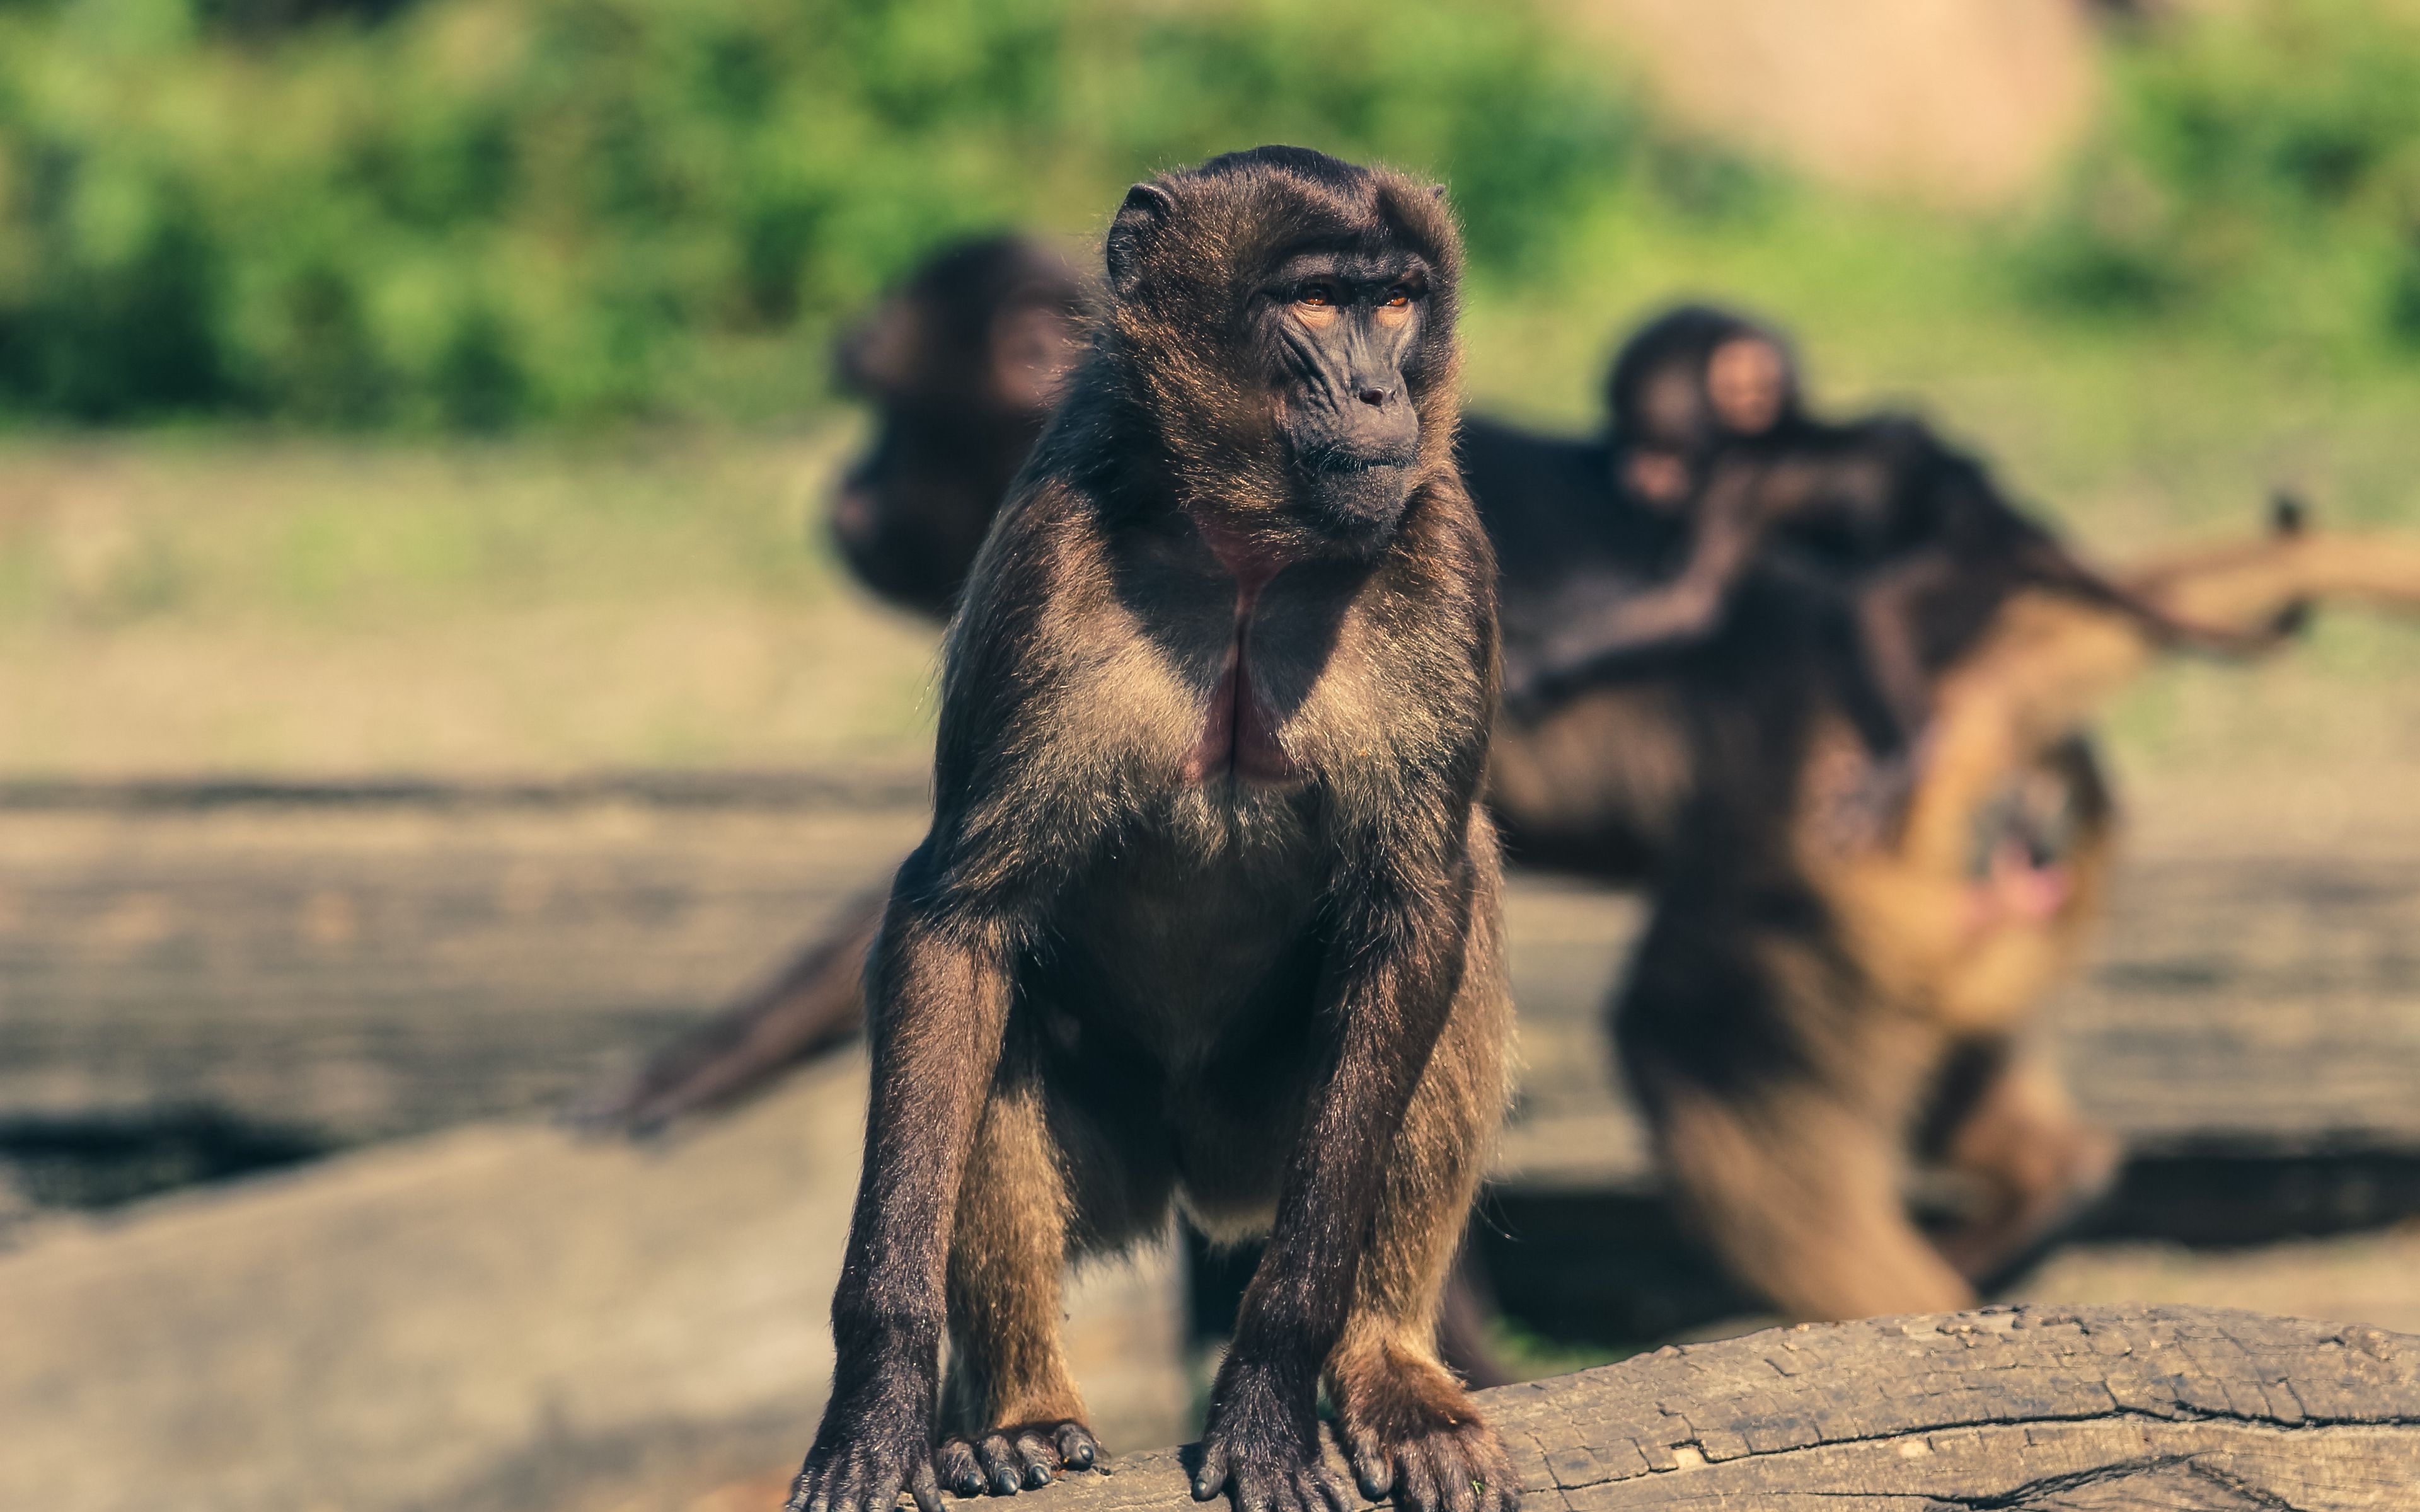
(1185,946)
(1239,736)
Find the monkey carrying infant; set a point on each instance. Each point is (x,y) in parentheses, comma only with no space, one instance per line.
(1208,912)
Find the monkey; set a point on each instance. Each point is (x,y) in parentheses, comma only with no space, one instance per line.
(1208,912)
(962,364)
(1710,424)
(1805,1016)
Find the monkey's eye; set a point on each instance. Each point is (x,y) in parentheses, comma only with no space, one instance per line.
(1399,298)
(1317,296)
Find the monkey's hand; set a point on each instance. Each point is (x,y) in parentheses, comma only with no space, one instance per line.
(1024,1455)
(877,1439)
(1261,1445)
(1411,1433)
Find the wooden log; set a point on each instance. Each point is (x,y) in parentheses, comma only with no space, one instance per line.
(2028,1408)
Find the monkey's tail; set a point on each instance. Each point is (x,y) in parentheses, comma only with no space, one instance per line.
(812,1008)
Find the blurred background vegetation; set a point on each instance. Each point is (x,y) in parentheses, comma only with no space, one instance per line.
(317,256)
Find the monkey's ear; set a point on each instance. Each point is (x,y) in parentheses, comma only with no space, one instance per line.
(877,356)
(1034,349)
(2287,514)
(1147,208)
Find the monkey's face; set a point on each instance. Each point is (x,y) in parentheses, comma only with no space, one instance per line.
(961,367)
(1286,321)
(1690,382)
(1334,331)
(1749,385)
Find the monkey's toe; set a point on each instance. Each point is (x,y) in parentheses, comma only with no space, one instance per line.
(1411,1433)
(1013,1459)
(954,1466)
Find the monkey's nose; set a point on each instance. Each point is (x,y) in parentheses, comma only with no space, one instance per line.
(1374,398)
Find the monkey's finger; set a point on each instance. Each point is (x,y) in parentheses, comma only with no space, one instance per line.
(1005,1470)
(1040,1460)
(1077,1450)
(1211,1478)
(923,1486)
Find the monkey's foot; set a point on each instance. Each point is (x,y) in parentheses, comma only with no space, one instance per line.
(1015,1457)
(1412,1432)
(1994,1253)
(1264,1451)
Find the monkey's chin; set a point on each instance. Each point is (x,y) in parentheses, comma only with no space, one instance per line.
(1355,509)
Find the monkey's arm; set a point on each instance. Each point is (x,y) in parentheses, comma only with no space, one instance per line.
(940,1007)
(1680,612)
(1395,961)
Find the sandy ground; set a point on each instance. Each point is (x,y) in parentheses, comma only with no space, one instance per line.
(496,1318)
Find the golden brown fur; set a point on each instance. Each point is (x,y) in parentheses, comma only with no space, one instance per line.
(1869,990)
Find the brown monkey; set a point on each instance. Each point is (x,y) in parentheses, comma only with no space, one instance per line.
(1801,1010)
(1709,424)
(962,364)
(1208,909)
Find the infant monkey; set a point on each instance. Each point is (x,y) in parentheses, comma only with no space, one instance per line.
(1208,912)
(1710,425)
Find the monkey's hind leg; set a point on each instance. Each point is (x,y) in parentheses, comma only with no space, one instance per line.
(1799,1192)
(1407,1425)
(2014,1128)
(1015,1418)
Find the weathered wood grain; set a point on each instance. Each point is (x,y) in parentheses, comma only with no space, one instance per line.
(2030,1409)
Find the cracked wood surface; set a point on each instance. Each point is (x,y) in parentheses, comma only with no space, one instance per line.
(2027,1409)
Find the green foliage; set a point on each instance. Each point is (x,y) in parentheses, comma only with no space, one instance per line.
(471,214)
(2261,170)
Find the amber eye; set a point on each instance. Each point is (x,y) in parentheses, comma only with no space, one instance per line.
(1399,298)
(1318,296)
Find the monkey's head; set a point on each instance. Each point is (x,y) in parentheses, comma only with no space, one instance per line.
(1285,322)
(962,364)
(1688,382)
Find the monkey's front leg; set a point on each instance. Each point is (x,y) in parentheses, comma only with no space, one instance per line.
(1404,964)
(942,1000)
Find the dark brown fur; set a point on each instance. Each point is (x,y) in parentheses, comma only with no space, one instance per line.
(1710,425)
(1160,947)
(962,364)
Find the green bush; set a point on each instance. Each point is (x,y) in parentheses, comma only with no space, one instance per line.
(477,213)
(2261,168)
